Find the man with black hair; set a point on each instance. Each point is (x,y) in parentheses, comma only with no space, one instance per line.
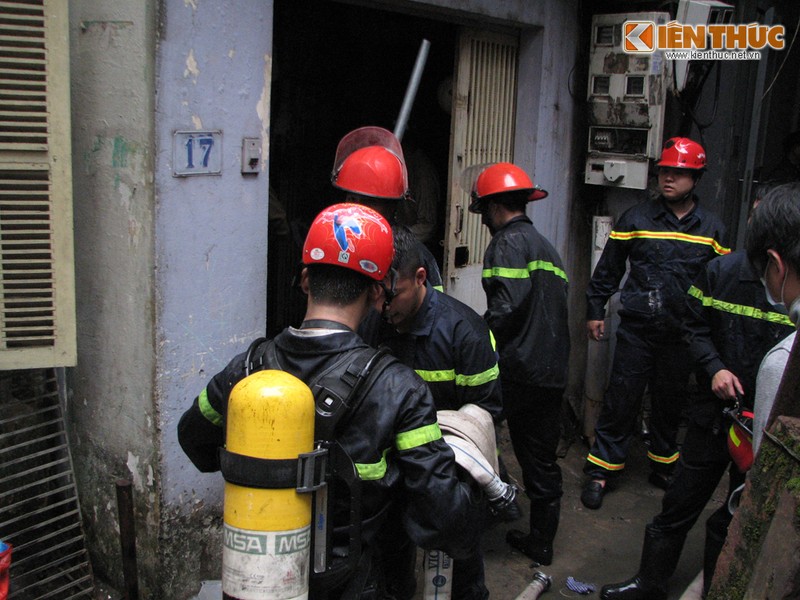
(445,341)
(449,345)
(666,241)
(526,295)
(729,326)
(773,246)
(390,432)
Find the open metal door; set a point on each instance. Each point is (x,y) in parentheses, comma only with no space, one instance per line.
(484,113)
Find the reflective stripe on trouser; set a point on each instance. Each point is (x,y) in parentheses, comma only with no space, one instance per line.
(642,360)
(704,460)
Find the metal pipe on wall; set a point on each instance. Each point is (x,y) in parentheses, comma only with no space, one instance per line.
(411,90)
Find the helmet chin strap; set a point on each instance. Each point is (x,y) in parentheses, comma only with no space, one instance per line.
(388,294)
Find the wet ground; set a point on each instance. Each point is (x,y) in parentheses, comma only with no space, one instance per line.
(592,546)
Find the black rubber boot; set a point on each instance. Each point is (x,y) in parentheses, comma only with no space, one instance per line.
(660,556)
(538,545)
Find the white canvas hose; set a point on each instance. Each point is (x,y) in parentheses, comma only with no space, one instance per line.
(470,433)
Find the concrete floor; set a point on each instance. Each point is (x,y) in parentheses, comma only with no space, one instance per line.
(592,546)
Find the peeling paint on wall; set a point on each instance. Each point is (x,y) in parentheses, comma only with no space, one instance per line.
(119,155)
(197,122)
(191,67)
(263,110)
(133,467)
(107,32)
(192,3)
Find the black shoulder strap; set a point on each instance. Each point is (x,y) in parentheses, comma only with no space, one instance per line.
(254,357)
(338,390)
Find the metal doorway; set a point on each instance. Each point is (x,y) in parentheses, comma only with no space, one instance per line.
(484,117)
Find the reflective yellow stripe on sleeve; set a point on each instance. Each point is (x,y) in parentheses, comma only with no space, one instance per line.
(463,380)
(524,273)
(478,378)
(670,235)
(739,309)
(418,437)
(372,471)
(437,376)
(207,410)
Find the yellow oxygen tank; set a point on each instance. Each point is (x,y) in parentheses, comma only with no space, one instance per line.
(267,523)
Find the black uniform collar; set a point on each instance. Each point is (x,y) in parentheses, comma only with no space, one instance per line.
(746,270)
(663,210)
(324,324)
(517,219)
(423,320)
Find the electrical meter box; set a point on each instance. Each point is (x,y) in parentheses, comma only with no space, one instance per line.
(626,99)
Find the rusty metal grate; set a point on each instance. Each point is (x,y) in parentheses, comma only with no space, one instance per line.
(39,510)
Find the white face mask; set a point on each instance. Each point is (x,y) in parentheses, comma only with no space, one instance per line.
(793,310)
(770,299)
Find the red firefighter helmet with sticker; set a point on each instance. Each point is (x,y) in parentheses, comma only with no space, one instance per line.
(369,161)
(740,440)
(500,178)
(683,153)
(352,236)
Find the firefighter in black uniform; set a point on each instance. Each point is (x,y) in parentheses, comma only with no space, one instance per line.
(445,341)
(666,241)
(526,293)
(370,167)
(392,435)
(450,347)
(729,327)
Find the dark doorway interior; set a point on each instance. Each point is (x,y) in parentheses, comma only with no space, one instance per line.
(337,67)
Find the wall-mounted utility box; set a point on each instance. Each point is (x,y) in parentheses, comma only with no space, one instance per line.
(626,98)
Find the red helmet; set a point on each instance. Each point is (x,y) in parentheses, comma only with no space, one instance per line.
(740,439)
(352,236)
(369,161)
(683,153)
(500,178)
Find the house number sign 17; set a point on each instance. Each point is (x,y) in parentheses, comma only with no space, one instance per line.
(196,153)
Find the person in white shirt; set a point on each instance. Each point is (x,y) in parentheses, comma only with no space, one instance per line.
(773,246)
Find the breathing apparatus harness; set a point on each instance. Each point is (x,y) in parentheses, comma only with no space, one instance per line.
(338,391)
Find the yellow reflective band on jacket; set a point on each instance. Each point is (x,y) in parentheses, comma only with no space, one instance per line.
(208,411)
(439,288)
(372,471)
(739,309)
(664,460)
(534,265)
(670,235)
(606,465)
(493,341)
(418,437)
(462,380)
